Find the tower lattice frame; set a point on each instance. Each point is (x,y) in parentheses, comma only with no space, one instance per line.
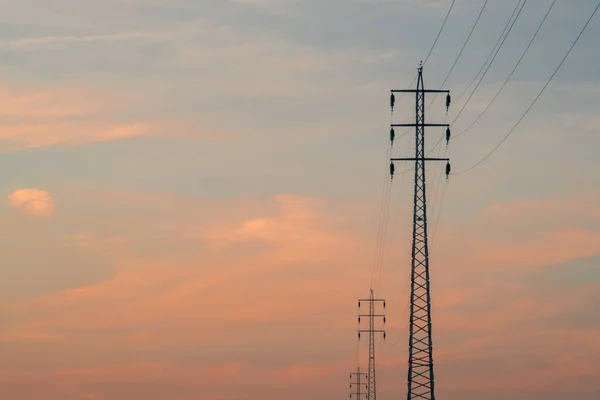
(421,384)
(371,374)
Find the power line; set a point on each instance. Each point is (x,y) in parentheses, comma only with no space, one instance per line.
(490,64)
(383,242)
(437,219)
(438,35)
(457,58)
(512,72)
(434,43)
(384,210)
(436,191)
(491,53)
(392,236)
(537,97)
(384,207)
(461,50)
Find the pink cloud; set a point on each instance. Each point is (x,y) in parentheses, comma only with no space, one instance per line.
(68,133)
(44,102)
(34,337)
(522,234)
(299,288)
(549,210)
(32,201)
(69,116)
(543,249)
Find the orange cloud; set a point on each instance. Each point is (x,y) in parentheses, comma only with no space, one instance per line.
(67,133)
(35,337)
(40,116)
(522,234)
(544,249)
(269,294)
(28,102)
(547,211)
(33,201)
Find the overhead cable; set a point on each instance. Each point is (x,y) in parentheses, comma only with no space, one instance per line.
(537,97)
(512,72)
(434,42)
(518,7)
(490,64)
(440,32)
(492,52)
(461,50)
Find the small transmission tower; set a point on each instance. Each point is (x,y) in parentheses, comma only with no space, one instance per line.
(371,387)
(355,379)
(420,361)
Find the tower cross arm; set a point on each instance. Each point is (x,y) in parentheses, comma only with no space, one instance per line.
(413,125)
(419,91)
(420,159)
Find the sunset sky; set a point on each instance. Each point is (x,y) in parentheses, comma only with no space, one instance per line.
(191,193)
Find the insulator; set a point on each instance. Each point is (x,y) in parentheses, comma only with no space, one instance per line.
(392,136)
(384,335)
(359,335)
(384,304)
(448,100)
(384,320)
(392,101)
(447,170)
(447,135)
(392,168)
(359,304)
(359,320)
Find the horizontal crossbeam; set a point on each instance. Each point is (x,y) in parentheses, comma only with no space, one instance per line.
(420,159)
(411,125)
(419,91)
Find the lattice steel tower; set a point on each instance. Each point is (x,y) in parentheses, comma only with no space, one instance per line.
(356,385)
(420,360)
(371,383)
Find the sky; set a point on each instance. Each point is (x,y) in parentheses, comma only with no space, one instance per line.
(191,195)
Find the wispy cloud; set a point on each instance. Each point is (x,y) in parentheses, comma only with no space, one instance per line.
(33,42)
(50,116)
(34,202)
(279,244)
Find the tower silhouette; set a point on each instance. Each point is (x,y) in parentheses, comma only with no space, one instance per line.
(371,375)
(421,384)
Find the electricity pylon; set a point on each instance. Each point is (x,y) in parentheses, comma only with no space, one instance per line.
(420,362)
(358,385)
(371,387)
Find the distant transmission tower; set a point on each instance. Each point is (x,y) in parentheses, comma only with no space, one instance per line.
(371,386)
(355,379)
(420,361)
